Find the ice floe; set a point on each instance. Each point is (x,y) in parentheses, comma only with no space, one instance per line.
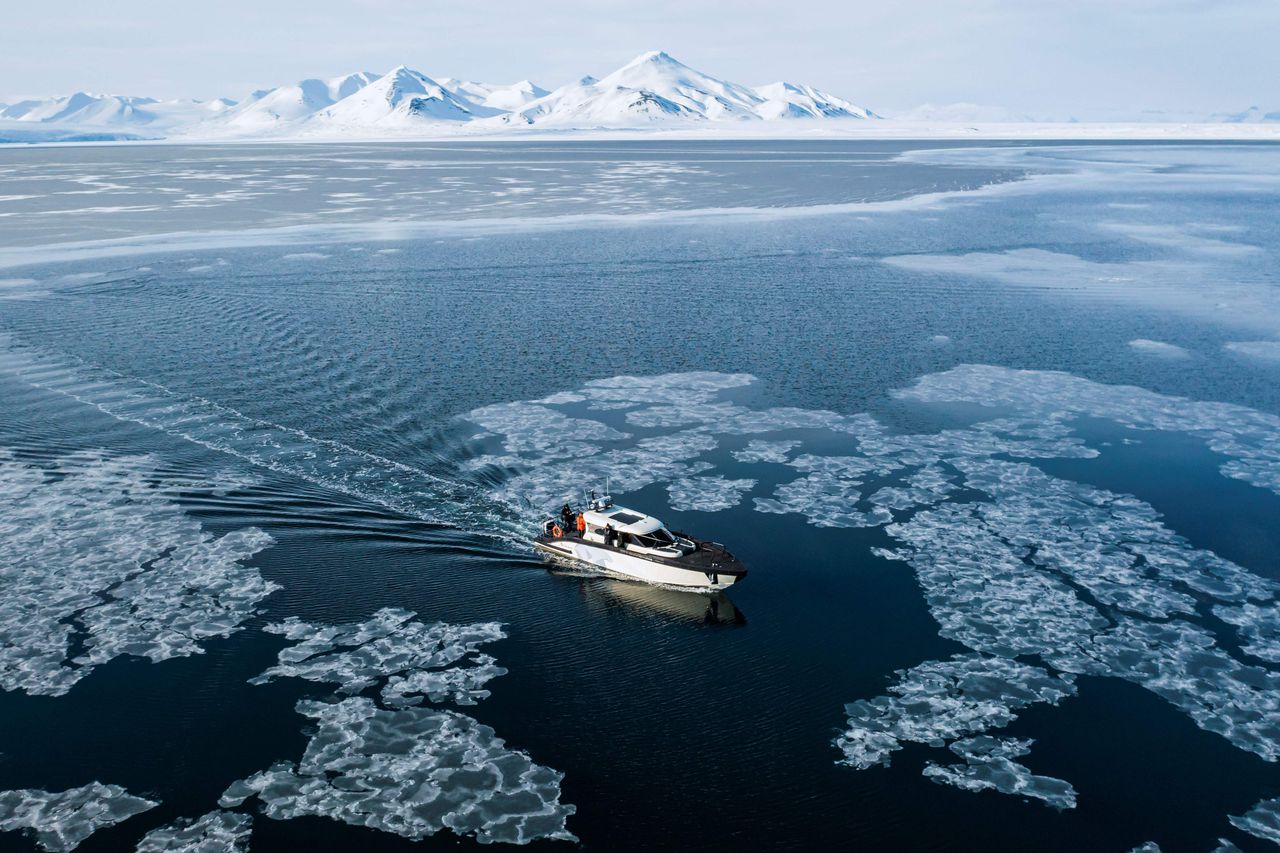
(413,772)
(1158,348)
(823,501)
(1246,435)
(391,644)
(1263,820)
(95,553)
(924,487)
(530,428)
(216,832)
(707,494)
(1261,350)
(1013,562)
(1072,574)
(1258,627)
(938,701)
(760,450)
(62,820)
(989,765)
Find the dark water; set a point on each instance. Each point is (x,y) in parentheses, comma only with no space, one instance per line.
(332,383)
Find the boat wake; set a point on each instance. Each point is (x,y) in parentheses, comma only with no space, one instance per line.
(405,489)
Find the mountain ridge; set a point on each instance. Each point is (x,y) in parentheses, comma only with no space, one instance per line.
(654,88)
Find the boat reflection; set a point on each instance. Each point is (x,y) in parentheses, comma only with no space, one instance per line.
(707,608)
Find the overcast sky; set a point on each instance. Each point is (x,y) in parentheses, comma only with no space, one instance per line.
(1046,56)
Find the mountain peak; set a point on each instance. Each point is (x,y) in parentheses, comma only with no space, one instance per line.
(654,57)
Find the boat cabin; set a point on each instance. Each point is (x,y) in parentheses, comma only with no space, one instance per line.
(633,531)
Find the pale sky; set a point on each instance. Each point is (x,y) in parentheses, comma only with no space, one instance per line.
(1065,57)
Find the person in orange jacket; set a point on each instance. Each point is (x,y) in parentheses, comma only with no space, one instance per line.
(582,525)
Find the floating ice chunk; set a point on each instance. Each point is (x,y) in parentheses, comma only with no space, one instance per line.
(849,467)
(1263,820)
(1258,627)
(411,772)
(1247,435)
(60,821)
(983,592)
(304,256)
(1030,504)
(611,405)
(679,445)
(676,388)
(989,765)
(1152,847)
(355,656)
(460,685)
(1179,662)
(530,428)
(215,832)
(824,501)
(184,598)
(1159,348)
(994,577)
(759,450)
(549,481)
(707,494)
(925,487)
(731,419)
(1261,350)
(561,398)
(941,700)
(692,414)
(102,556)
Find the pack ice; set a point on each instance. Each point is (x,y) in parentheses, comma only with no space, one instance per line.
(1041,578)
(402,768)
(96,551)
(60,821)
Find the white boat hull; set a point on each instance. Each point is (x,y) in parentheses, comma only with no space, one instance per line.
(637,568)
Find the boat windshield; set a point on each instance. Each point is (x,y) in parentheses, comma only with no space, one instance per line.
(659,538)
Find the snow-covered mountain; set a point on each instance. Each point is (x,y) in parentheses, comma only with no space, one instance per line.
(501,98)
(1249,116)
(654,88)
(89,111)
(402,99)
(788,100)
(272,107)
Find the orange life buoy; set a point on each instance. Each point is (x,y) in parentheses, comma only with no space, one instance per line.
(556,531)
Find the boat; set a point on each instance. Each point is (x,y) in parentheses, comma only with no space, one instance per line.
(632,545)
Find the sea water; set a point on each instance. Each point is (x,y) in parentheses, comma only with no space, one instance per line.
(994,428)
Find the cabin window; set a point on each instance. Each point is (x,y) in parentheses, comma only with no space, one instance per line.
(654,540)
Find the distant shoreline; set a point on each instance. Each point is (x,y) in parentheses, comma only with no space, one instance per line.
(12,133)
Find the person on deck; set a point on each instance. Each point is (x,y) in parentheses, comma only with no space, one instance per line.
(582,525)
(566,518)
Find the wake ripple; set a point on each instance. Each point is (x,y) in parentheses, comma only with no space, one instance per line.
(330,464)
